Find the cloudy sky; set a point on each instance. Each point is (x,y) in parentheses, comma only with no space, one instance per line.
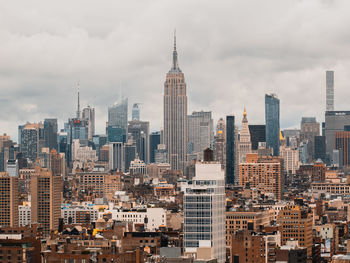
(232,53)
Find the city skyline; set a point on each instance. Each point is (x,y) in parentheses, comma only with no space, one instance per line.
(105,57)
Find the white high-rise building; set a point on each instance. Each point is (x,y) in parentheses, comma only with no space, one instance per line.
(244,144)
(291,158)
(204,207)
(200,132)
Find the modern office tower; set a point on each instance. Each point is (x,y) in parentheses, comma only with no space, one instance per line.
(88,115)
(154,140)
(135,113)
(244,144)
(204,209)
(20,128)
(296,223)
(8,200)
(309,129)
(62,140)
(130,153)
(219,144)
(334,121)
(161,154)
(200,132)
(230,150)
(264,173)
(342,143)
(118,121)
(329,90)
(116,156)
(320,148)
(46,197)
(272,119)
(139,130)
(257,134)
(32,140)
(99,141)
(291,159)
(175,115)
(50,133)
(77,129)
(12,167)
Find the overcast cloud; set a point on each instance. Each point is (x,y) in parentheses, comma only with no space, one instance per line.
(232,53)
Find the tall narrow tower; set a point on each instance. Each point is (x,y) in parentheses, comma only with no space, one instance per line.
(175,114)
(329,90)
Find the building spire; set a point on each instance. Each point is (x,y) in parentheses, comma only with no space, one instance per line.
(78,108)
(175,66)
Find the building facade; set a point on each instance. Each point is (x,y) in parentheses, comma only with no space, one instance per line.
(204,208)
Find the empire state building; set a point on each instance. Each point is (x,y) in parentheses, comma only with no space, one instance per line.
(175,115)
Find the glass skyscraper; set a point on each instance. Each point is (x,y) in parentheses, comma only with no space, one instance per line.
(118,122)
(230,150)
(272,119)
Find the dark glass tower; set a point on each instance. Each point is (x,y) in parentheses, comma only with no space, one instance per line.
(257,134)
(230,149)
(272,119)
(154,141)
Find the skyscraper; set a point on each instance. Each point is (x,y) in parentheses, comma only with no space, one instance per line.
(118,121)
(32,140)
(230,150)
(309,128)
(89,116)
(46,193)
(175,115)
(334,121)
(116,156)
(329,90)
(154,139)
(135,114)
(8,200)
(50,133)
(200,132)
(139,130)
(245,145)
(272,119)
(342,143)
(257,134)
(204,212)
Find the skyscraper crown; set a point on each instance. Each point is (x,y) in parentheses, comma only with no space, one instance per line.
(175,67)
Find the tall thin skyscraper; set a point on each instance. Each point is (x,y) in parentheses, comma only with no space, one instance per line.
(50,133)
(230,150)
(329,90)
(89,116)
(175,115)
(272,119)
